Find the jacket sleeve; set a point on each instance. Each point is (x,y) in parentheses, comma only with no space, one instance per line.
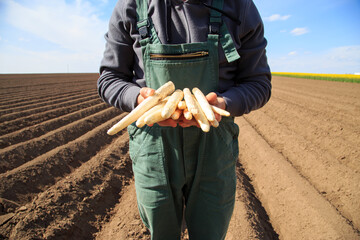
(115,84)
(252,88)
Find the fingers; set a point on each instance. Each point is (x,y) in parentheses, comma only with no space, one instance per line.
(213,99)
(168,123)
(217,117)
(144,93)
(183,122)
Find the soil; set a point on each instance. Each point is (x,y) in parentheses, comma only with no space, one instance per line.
(63,177)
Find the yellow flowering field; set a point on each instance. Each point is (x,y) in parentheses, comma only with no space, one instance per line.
(321,76)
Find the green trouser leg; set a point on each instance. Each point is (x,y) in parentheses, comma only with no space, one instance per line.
(211,199)
(172,164)
(160,207)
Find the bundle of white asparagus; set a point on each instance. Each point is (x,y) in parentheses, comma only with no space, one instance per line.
(167,103)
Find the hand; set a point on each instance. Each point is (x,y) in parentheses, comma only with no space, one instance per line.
(147,92)
(168,123)
(144,93)
(219,102)
(183,122)
(213,99)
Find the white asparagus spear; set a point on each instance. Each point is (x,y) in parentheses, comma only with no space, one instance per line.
(204,104)
(141,120)
(214,123)
(145,105)
(187,114)
(172,103)
(154,116)
(190,101)
(182,105)
(176,115)
(201,118)
(220,111)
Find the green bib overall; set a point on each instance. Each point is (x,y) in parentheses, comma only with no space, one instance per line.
(179,166)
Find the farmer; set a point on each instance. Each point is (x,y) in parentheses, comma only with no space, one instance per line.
(217,46)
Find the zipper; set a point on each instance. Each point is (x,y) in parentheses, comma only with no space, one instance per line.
(158,56)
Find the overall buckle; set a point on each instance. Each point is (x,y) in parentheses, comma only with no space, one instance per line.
(214,28)
(215,24)
(143,27)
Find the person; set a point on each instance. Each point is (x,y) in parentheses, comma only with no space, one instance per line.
(215,45)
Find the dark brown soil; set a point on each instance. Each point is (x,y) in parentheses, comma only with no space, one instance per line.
(63,177)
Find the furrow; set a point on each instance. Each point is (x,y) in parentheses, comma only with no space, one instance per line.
(324,90)
(125,222)
(42,128)
(326,98)
(330,106)
(36,93)
(249,219)
(21,79)
(6,99)
(39,95)
(57,104)
(334,180)
(21,153)
(25,92)
(296,210)
(335,137)
(20,123)
(23,183)
(59,87)
(18,106)
(27,81)
(71,208)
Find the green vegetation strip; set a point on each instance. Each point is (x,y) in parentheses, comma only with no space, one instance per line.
(317,76)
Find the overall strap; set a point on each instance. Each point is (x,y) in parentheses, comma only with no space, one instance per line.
(144,24)
(216,26)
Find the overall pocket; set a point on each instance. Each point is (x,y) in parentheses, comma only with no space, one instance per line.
(228,133)
(189,69)
(180,56)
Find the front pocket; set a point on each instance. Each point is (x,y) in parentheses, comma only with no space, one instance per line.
(185,72)
(180,56)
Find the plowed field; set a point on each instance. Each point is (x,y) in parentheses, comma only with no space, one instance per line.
(63,177)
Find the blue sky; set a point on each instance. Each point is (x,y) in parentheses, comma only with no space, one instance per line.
(318,36)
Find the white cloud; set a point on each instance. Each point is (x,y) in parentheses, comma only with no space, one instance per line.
(277,17)
(292,53)
(21,39)
(72,26)
(53,61)
(75,28)
(299,31)
(343,59)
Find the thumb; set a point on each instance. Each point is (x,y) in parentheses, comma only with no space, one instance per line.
(146,92)
(212,98)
